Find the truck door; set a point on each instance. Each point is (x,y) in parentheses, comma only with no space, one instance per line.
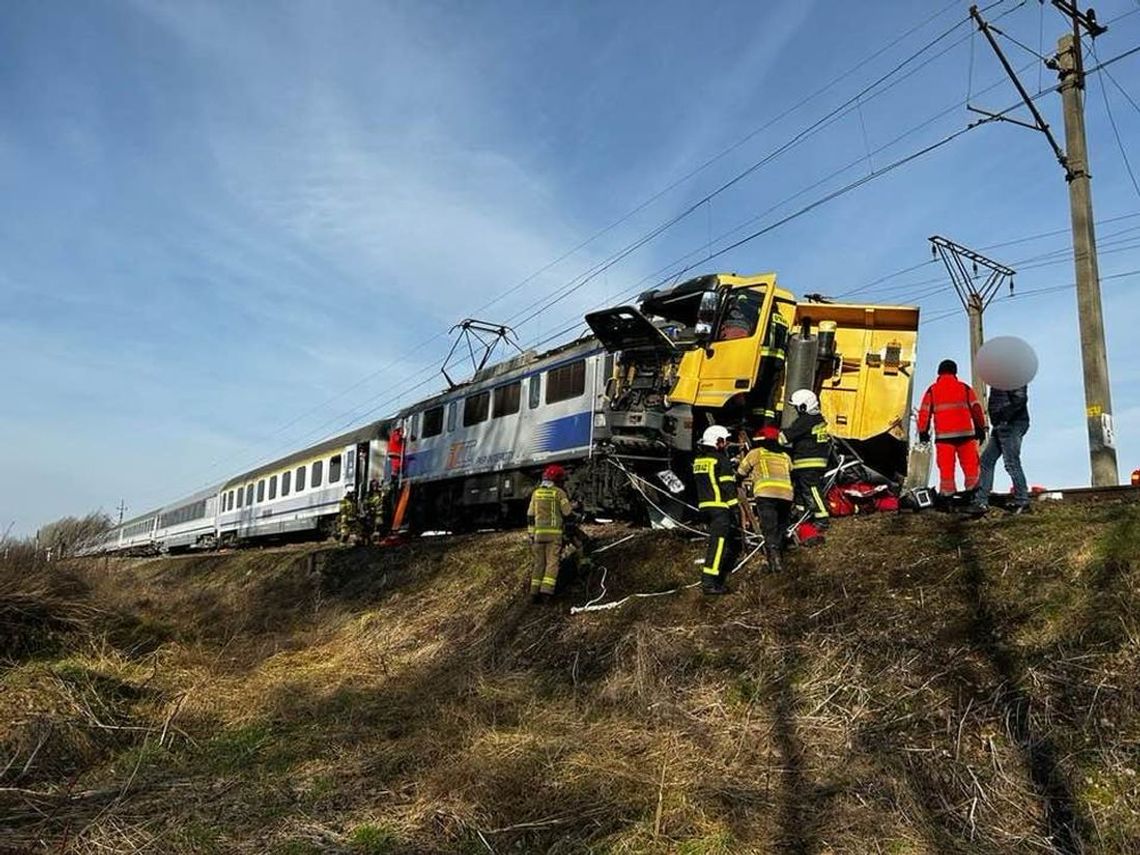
(730,362)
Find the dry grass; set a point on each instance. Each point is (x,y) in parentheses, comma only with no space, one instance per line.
(920,685)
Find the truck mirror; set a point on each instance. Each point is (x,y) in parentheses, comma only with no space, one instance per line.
(706,315)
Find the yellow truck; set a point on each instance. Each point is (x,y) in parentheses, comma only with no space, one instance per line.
(729,349)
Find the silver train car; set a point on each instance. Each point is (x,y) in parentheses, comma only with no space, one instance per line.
(468,456)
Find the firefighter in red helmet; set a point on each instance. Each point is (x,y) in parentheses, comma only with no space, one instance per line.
(546,523)
(769,467)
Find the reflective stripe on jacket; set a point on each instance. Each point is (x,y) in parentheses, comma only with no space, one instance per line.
(716,482)
(770,471)
(810,440)
(954,407)
(549,507)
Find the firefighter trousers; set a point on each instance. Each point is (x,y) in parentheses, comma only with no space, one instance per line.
(723,546)
(809,491)
(544,566)
(965,452)
(773,515)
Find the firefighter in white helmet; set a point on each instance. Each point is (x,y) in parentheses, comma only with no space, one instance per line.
(716,498)
(810,441)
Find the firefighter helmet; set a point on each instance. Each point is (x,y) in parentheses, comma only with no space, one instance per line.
(714,434)
(554,473)
(805,401)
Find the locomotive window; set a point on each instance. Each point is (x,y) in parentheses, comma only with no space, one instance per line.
(318,471)
(433,422)
(451,410)
(249,494)
(475,409)
(334,469)
(240,495)
(300,478)
(261,490)
(566,382)
(273,486)
(507,400)
(534,395)
(286,482)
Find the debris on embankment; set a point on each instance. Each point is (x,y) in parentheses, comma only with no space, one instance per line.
(920,684)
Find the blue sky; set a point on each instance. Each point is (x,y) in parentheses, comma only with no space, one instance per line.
(227,230)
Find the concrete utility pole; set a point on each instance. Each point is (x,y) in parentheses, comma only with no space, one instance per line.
(122,509)
(1094,355)
(1069,65)
(974,292)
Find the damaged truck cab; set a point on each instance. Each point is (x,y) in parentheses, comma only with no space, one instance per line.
(729,349)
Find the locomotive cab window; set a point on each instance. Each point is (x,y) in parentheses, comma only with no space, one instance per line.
(286,482)
(300,478)
(534,394)
(318,472)
(334,469)
(475,409)
(272,486)
(506,400)
(261,490)
(566,382)
(433,422)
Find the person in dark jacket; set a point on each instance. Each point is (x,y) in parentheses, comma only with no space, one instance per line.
(1009,422)
(716,498)
(810,441)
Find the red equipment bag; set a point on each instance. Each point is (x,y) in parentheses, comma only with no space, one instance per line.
(807,534)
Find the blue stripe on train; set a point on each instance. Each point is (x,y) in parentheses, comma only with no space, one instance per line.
(561,434)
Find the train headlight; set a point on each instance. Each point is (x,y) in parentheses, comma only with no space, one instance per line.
(599,420)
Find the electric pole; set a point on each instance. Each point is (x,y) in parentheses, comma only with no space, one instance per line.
(122,509)
(1094,355)
(975,297)
(1069,64)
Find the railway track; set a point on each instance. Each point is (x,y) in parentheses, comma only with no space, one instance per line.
(1121,493)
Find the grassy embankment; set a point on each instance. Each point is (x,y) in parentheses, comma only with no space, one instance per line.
(921,684)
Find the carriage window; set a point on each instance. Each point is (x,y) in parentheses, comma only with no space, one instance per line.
(334,469)
(240,495)
(249,494)
(507,400)
(451,410)
(230,501)
(273,486)
(475,409)
(261,490)
(318,471)
(566,382)
(535,394)
(286,483)
(433,422)
(300,478)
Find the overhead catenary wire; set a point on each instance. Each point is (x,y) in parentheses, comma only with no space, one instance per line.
(1115,129)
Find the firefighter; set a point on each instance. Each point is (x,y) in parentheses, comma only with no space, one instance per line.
(810,442)
(545,520)
(374,510)
(952,409)
(348,521)
(769,468)
(716,498)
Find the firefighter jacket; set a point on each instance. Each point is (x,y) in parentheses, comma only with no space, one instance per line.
(716,482)
(549,508)
(1010,407)
(953,407)
(770,471)
(810,441)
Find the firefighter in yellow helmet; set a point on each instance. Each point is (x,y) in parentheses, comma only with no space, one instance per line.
(545,519)
(348,521)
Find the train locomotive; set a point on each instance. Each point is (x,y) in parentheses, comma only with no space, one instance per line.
(620,405)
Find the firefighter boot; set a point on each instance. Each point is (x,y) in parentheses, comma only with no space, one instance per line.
(773,556)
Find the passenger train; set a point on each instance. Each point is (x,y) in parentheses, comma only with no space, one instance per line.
(627,397)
